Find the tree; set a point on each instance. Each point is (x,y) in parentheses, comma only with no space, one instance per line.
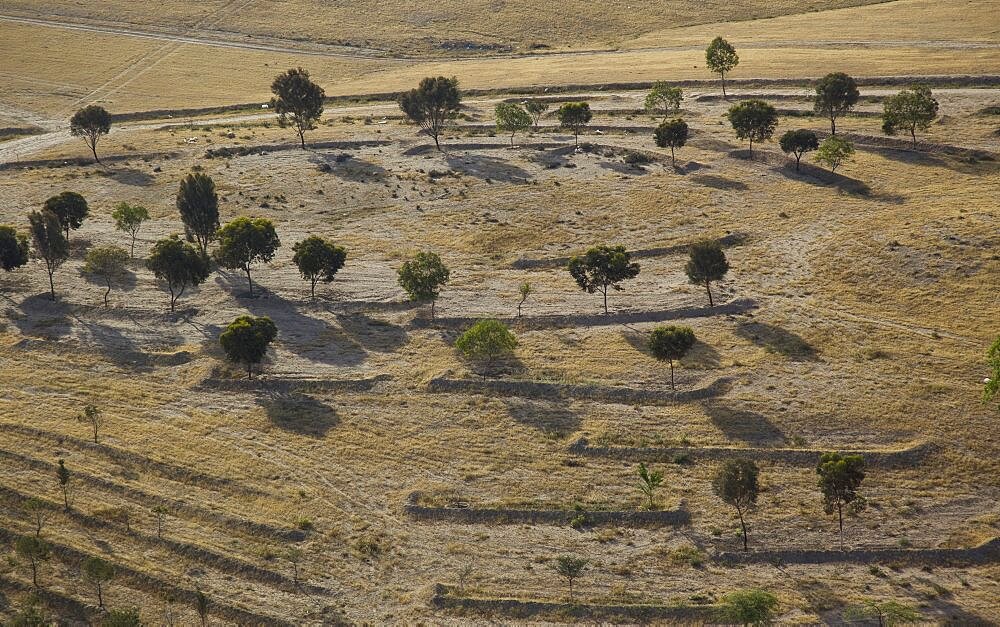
(570,568)
(90,123)
(177,264)
(737,485)
(834,151)
(748,607)
(161,513)
(92,416)
(909,110)
(201,605)
(840,476)
(98,572)
(574,116)
(63,476)
(246,241)
(199,207)
(246,339)
(648,482)
(432,104)
(13,248)
(318,260)
(71,209)
(298,101)
(707,263)
(423,277)
(721,58)
(512,118)
(603,267)
(836,94)
(754,120)
(525,291)
(129,218)
(991,385)
(38,511)
(486,340)
(49,243)
(798,143)
(536,108)
(670,343)
(885,612)
(294,557)
(127,617)
(664,99)
(34,550)
(107,263)
(672,134)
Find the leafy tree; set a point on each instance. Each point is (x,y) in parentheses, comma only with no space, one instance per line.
(649,480)
(161,513)
(721,58)
(909,110)
(63,476)
(37,510)
(536,108)
(49,243)
(840,476)
(834,151)
(423,277)
(13,248)
(298,101)
(836,94)
(570,568)
(107,263)
(754,120)
(991,385)
(707,263)
(244,242)
(71,209)
(574,116)
(432,104)
(486,340)
(318,260)
(670,343)
(603,267)
(885,612)
(246,339)
(663,99)
(737,485)
(98,572)
(34,550)
(92,416)
(177,264)
(672,134)
(798,143)
(90,123)
(129,218)
(748,607)
(525,290)
(202,606)
(512,118)
(128,617)
(199,207)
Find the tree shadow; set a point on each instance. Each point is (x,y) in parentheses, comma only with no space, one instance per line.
(132,176)
(124,352)
(743,425)
(299,413)
(350,168)
(485,167)
(41,317)
(373,334)
(623,168)
(549,418)
(808,173)
(124,283)
(718,182)
(777,340)
(712,144)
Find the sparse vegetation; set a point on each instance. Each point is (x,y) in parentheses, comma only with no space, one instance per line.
(570,567)
(603,268)
(748,607)
(649,481)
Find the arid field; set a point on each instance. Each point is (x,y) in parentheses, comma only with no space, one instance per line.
(342,485)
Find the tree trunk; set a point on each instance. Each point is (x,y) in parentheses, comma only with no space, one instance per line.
(673,162)
(131,253)
(95,433)
(512,140)
(840,518)
(672,375)
(302,139)
(605,300)
(743,525)
(433,300)
(751,148)
(723,75)
(798,158)
(100,596)
(312,288)
(52,286)
(576,137)
(436,142)
(708,288)
(106,292)
(34,571)
(249,280)
(913,134)
(93,149)
(833,125)
(65,498)
(249,370)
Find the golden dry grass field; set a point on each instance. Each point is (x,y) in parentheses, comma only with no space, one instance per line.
(875,296)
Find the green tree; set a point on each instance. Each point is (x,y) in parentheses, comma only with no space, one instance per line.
(246,339)
(13,248)
(748,607)
(753,120)
(707,263)
(108,264)
(129,218)
(574,116)
(93,417)
(177,264)
(736,483)
(49,243)
(836,94)
(663,99)
(991,385)
(423,277)
(670,343)
(840,476)
(672,134)
(160,512)
(298,102)
(244,242)
(98,572)
(798,143)
(511,118)
(71,209)
(318,260)
(202,605)
(649,481)
(34,550)
(603,267)
(721,58)
(834,151)
(486,341)
(90,123)
(909,110)
(432,104)
(536,108)
(887,613)
(63,476)
(570,568)
(37,510)
(122,617)
(198,205)
(525,290)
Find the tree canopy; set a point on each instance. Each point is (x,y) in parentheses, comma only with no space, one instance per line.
(244,242)
(753,120)
(670,343)
(834,151)
(432,104)
(664,99)
(672,134)
(736,483)
(90,123)
(707,263)
(71,209)
(601,268)
(574,116)
(49,243)
(748,607)
(910,110)
(318,260)
(423,277)
(129,218)
(298,101)
(246,340)
(721,58)
(199,207)
(486,341)
(98,571)
(840,477)
(798,143)
(13,248)
(511,118)
(836,94)
(109,264)
(536,108)
(178,264)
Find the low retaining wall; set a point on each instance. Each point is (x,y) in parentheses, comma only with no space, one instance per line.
(876,143)
(537,389)
(242,151)
(82,161)
(295,385)
(727,241)
(986,553)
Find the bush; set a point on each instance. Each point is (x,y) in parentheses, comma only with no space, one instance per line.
(637,158)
